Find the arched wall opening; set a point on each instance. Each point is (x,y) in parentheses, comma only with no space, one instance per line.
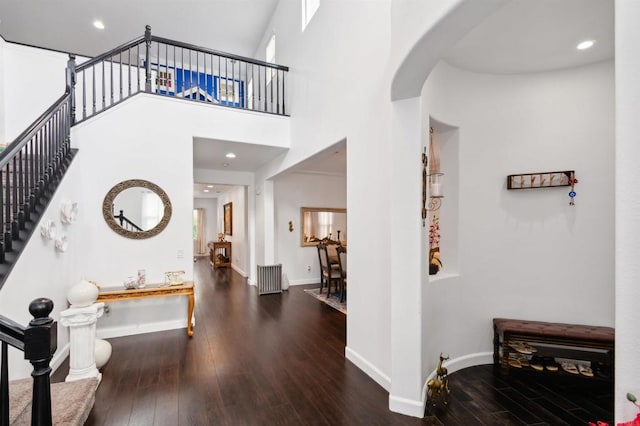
(506,124)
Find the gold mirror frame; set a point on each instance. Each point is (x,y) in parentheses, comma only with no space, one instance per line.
(304,210)
(107,209)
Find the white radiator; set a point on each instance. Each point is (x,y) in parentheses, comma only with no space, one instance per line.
(269,279)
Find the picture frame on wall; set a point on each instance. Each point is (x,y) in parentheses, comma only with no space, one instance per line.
(228,219)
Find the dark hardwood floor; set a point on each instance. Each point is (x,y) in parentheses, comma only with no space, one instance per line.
(279,359)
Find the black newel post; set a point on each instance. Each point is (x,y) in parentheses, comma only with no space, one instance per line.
(71,85)
(147,58)
(40,343)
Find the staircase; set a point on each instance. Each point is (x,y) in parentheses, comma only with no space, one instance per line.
(33,165)
(35,401)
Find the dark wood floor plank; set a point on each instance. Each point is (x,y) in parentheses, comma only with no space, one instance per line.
(279,360)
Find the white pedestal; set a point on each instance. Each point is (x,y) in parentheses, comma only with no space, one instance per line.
(82,340)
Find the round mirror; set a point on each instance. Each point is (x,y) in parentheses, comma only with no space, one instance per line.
(136,209)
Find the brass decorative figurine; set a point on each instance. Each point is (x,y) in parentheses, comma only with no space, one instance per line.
(438,387)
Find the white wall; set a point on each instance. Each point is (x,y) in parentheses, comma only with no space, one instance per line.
(42,271)
(293,191)
(331,99)
(116,146)
(210,206)
(627,268)
(524,254)
(34,79)
(239,239)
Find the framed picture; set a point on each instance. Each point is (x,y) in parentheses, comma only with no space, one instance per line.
(163,79)
(228,219)
(227,91)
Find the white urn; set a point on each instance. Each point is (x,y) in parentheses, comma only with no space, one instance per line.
(102,352)
(82,294)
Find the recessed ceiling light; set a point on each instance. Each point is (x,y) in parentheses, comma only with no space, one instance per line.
(585,44)
(98,24)
(209,186)
(231,155)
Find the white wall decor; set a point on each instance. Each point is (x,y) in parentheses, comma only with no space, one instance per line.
(62,243)
(68,212)
(48,229)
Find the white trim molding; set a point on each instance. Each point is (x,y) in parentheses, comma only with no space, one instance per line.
(369,369)
(405,406)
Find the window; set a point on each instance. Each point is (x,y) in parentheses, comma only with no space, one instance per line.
(271,57)
(271,50)
(309,8)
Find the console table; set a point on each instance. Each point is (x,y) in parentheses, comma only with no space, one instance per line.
(154,290)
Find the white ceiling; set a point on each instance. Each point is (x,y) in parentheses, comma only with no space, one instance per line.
(211,154)
(234,26)
(538,35)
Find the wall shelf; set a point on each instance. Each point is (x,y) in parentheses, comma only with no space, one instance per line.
(540,180)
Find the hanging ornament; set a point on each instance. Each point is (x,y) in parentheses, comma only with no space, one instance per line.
(572,181)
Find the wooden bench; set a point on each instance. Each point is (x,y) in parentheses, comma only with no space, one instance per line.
(591,343)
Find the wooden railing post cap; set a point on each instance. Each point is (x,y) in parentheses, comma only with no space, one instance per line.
(40,309)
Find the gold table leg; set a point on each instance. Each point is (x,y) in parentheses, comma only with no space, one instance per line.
(190,315)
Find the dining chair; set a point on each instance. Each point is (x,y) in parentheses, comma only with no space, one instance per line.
(329,274)
(342,266)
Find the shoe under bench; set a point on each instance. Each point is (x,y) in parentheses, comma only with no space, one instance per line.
(557,339)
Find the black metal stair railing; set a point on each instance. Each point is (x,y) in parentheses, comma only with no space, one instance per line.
(151,64)
(31,168)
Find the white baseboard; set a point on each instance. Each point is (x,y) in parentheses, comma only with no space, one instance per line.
(405,406)
(470,360)
(304,281)
(130,330)
(238,270)
(59,357)
(369,369)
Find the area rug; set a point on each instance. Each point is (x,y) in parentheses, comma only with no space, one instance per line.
(333,301)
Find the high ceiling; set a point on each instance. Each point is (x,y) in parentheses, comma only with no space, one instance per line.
(524,36)
(234,26)
(538,35)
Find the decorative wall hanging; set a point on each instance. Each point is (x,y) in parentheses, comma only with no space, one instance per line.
(433,178)
(48,230)
(540,180)
(68,212)
(228,219)
(62,244)
(544,180)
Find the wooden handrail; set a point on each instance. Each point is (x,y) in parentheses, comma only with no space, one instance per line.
(218,53)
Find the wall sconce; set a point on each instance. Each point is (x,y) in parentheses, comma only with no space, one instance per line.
(290,226)
(435,181)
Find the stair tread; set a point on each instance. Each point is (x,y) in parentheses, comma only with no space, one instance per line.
(71,402)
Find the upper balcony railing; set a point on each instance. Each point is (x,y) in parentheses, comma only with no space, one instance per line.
(170,68)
